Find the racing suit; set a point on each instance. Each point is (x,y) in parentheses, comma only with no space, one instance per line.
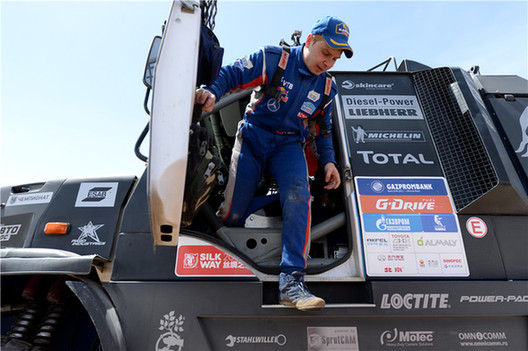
(270,136)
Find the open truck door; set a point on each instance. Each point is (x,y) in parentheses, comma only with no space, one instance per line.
(172,104)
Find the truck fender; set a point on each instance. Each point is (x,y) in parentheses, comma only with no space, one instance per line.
(102,312)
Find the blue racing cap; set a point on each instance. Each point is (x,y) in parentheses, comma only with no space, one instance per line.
(335,32)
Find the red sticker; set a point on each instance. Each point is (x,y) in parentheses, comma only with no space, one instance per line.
(207,260)
(405,204)
(476,227)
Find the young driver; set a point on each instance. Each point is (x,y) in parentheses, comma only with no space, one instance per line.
(271,136)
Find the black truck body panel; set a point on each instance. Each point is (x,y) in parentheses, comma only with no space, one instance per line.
(452,280)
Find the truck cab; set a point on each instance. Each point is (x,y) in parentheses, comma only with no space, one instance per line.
(423,246)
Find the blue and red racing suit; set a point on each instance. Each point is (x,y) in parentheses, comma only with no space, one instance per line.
(270,137)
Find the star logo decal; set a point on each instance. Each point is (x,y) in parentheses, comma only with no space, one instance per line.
(88,231)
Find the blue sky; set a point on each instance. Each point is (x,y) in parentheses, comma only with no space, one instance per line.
(71,90)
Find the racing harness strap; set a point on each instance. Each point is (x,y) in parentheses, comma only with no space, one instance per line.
(273,89)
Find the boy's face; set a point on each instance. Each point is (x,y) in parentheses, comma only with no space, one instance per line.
(318,56)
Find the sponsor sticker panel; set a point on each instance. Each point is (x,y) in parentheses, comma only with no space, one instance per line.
(381,107)
(429,263)
(399,186)
(8,230)
(253,340)
(406,338)
(445,222)
(433,242)
(406,204)
(97,194)
(427,333)
(385,126)
(453,334)
(393,263)
(401,243)
(493,338)
(30,199)
(372,135)
(377,242)
(378,97)
(412,221)
(453,263)
(332,339)
(403,158)
(196,258)
(390,222)
(483,298)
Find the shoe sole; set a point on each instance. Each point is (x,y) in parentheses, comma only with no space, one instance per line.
(287,303)
(319,305)
(313,307)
